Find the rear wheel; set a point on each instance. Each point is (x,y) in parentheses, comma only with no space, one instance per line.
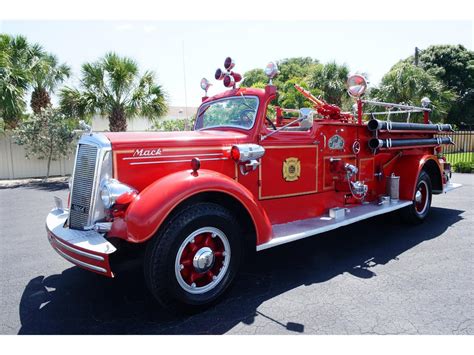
(193,260)
(418,211)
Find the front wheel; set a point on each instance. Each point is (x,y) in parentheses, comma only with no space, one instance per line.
(193,260)
(418,211)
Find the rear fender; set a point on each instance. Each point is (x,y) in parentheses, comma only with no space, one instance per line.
(149,210)
(409,167)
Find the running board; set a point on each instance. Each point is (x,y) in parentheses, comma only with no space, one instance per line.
(289,232)
(450,186)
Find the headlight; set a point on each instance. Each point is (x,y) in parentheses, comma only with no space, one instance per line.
(112,189)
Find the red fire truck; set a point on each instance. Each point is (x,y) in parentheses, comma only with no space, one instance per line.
(250,176)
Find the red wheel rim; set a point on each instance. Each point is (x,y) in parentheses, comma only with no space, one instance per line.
(202,260)
(421,197)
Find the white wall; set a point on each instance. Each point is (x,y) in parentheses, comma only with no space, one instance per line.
(14,165)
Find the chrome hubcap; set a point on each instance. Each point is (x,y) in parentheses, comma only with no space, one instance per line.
(418,196)
(203,260)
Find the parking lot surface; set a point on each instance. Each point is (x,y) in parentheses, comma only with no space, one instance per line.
(375,277)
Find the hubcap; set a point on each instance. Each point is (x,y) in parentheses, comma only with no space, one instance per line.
(418,196)
(202,260)
(421,198)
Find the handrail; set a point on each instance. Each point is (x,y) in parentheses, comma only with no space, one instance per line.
(386,104)
(390,112)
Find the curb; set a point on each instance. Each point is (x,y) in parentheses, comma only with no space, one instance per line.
(9,184)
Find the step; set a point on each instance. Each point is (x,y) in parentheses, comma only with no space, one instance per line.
(450,186)
(289,232)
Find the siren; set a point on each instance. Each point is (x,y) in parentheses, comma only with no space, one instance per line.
(229,77)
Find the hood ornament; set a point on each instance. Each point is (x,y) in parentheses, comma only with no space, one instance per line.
(85,127)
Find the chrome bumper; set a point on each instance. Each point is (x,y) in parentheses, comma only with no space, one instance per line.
(86,249)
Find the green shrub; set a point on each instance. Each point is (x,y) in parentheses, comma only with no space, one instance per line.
(181,124)
(463,167)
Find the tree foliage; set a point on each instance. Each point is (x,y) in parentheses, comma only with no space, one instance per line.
(330,79)
(17,60)
(408,84)
(46,75)
(114,87)
(181,124)
(47,135)
(454,66)
(25,66)
(325,80)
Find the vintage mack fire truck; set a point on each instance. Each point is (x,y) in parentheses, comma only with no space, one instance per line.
(250,176)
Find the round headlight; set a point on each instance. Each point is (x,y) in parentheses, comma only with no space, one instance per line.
(105,196)
(111,190)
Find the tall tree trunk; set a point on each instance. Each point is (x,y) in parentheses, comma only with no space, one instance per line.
(49,161)
(40,99)
(117,120)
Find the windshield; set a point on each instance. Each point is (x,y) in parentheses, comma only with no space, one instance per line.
(236,111)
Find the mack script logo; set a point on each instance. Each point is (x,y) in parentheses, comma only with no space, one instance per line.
(147,152)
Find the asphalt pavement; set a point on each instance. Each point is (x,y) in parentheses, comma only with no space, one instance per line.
(374,277)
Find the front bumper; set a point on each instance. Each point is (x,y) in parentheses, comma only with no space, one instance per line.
(86,249)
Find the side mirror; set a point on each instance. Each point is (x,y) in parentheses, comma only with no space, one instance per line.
(306,115)
(356,85)
(305,112)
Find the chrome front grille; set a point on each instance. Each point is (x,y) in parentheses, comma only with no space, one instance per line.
(83,186)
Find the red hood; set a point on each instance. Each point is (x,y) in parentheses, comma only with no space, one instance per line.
(127,140)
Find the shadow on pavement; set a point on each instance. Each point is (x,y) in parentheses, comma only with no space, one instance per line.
(79,302)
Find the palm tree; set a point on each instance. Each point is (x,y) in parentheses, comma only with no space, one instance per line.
(17,60)
(331,80)
(46,76)
(113,86)
(407,83)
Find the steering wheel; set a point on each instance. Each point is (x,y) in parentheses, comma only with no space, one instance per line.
(245,118)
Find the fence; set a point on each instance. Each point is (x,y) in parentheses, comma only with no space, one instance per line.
(14,165)
(463,148)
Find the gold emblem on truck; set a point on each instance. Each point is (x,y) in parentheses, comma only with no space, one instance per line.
(291,169)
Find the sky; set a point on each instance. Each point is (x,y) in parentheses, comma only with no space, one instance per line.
(182,52)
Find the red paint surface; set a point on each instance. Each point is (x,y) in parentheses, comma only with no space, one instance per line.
(164,180)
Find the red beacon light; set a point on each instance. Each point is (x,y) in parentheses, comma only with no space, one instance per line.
(229,78)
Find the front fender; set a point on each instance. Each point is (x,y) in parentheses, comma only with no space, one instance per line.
(149,210)
(408,168)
